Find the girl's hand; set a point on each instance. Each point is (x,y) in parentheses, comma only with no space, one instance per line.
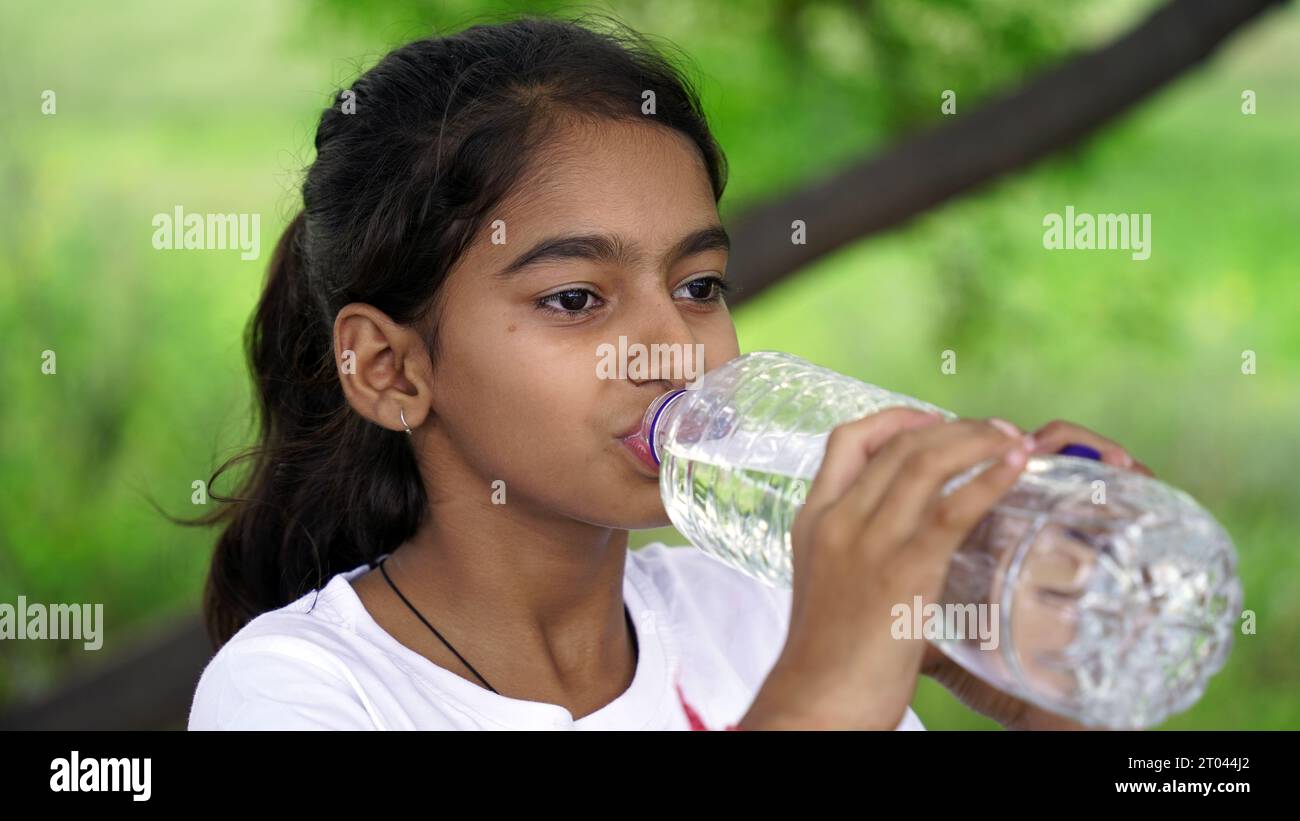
(1058,433)
(980,696)
(874,532)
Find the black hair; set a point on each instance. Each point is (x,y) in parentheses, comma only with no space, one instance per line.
(444,128)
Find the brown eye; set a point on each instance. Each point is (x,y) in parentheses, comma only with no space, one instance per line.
(706,289)
(573,302)
(703,292)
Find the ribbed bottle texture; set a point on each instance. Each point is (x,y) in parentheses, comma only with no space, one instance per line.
(1116,595)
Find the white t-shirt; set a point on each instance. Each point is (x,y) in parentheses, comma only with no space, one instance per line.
(708,634)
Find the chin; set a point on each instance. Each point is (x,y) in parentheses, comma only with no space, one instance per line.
(640,510)
(653,522)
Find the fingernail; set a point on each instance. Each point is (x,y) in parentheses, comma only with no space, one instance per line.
(1005,426)
(1016,457)
(1128,460)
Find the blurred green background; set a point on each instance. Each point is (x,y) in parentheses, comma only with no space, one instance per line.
(212,105)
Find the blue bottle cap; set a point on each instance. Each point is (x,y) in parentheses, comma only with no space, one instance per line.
(1075,449)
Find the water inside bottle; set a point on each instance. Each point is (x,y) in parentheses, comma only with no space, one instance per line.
(1107,616)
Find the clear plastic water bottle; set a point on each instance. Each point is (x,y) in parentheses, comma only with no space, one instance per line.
(1116,595)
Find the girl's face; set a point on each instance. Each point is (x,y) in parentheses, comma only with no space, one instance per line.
(526,321)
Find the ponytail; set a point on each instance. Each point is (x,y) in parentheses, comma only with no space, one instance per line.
(327,490)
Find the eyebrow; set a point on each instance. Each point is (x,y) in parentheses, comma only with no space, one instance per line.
(612,248)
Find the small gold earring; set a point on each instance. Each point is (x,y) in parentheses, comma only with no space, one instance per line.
(402,414)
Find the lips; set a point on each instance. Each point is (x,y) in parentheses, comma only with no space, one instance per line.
(631,431)
(640,449)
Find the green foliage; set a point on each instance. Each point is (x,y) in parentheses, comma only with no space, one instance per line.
(214,109)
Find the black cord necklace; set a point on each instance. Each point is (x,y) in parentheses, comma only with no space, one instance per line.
(636,648)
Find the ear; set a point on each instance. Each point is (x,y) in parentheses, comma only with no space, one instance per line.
(384,367)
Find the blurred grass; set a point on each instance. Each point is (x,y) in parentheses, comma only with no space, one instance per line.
(214,110)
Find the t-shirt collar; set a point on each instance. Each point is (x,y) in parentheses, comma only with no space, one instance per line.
(640,705)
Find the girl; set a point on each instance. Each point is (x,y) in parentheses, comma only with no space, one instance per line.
(433,530)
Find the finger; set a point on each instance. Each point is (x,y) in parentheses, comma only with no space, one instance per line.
(954,516)
(863,496)
(1058,433)
(852,444)
(924,471)
(1143,469)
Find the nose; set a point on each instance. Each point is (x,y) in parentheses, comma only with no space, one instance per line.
(667,342)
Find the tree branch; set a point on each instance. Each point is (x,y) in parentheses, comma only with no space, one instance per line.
(1052,111)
